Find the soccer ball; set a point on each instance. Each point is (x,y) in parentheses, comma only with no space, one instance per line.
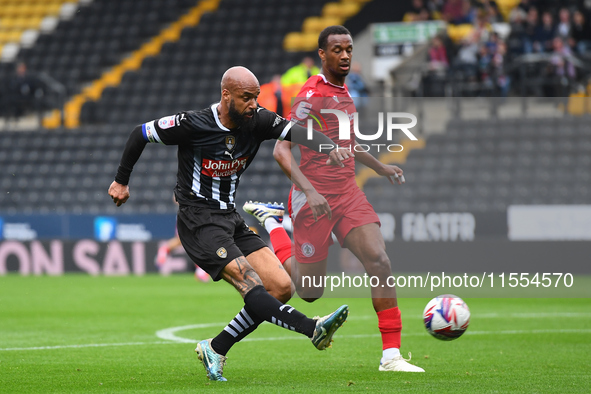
(446,317)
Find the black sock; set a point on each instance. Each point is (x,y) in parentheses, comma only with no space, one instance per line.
(268,308)
(245,322)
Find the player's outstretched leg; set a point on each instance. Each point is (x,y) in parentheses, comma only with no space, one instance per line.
(212,361)
(263,211)
(261,306)
(326,327)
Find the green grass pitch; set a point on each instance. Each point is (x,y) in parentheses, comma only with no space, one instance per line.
(80,334)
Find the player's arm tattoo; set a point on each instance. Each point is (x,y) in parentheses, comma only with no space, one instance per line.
(249,278)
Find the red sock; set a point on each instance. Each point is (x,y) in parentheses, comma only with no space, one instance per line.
(281,244)
(390,327)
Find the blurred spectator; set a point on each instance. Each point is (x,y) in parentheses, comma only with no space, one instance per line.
(562,66)
(544,34)
(563,29)
(435,8)
(484,66)
(436,78)
(516,38)
(491,10)
(580,33)
(271,95)
(300,73)
(458,12)
(498,73)
(294,78)
(438,60)
(524,5)
(482,29)
(530,28)
(24,91)
(417,12)
(493,42)
(466,61)
(562,69)
(357,86)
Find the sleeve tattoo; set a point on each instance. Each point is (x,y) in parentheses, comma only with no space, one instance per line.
(249,279)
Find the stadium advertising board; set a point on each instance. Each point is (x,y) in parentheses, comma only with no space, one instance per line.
(549,222)
(55,257)
(393,41)
(101,228)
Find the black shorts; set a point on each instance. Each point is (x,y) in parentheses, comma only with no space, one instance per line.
(212,238)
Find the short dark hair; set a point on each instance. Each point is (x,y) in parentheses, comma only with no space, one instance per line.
(330,30)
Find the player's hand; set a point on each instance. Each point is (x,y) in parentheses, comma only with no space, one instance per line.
(337,156)
(394,173)
(318,205)
(119,193)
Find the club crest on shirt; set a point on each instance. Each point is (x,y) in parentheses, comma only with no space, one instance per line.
(230,142)
(308,249)
(222,253)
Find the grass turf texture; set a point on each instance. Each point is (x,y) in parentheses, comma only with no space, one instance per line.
(517,345)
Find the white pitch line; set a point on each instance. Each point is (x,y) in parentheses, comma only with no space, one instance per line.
(84,345)
(290,338)
(169,334)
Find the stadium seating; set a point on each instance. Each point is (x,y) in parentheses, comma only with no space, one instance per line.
(182,75)
(70,171)
(487,165)
(477,165)
(97,37)
(185,74)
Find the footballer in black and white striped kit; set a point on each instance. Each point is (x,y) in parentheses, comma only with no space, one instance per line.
(215,146)
(212,157)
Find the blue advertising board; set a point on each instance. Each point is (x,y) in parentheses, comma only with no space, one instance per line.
(127,228)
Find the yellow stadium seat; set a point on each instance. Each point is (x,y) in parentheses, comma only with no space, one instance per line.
(8,10)
(9,36)
(341,10)
(505,7)
(52,9)
(309,41)
(457,32)
(293,42)
(312,24)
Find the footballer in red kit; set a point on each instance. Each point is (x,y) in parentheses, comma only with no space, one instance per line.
(327,200)
(312,234)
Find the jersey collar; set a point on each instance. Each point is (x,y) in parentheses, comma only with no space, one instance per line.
(214,109)
(326,81)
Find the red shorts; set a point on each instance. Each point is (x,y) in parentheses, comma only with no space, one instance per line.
(312,239)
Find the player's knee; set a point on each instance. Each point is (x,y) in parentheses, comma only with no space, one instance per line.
(281,290)
(378,263)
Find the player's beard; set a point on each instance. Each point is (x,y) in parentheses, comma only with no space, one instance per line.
(240,119)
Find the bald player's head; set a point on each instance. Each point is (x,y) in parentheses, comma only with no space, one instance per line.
(239,78)
(240,89)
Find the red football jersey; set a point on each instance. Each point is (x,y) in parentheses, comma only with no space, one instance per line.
(317,94)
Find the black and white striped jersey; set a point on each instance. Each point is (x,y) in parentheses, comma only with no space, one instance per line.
(211,157)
